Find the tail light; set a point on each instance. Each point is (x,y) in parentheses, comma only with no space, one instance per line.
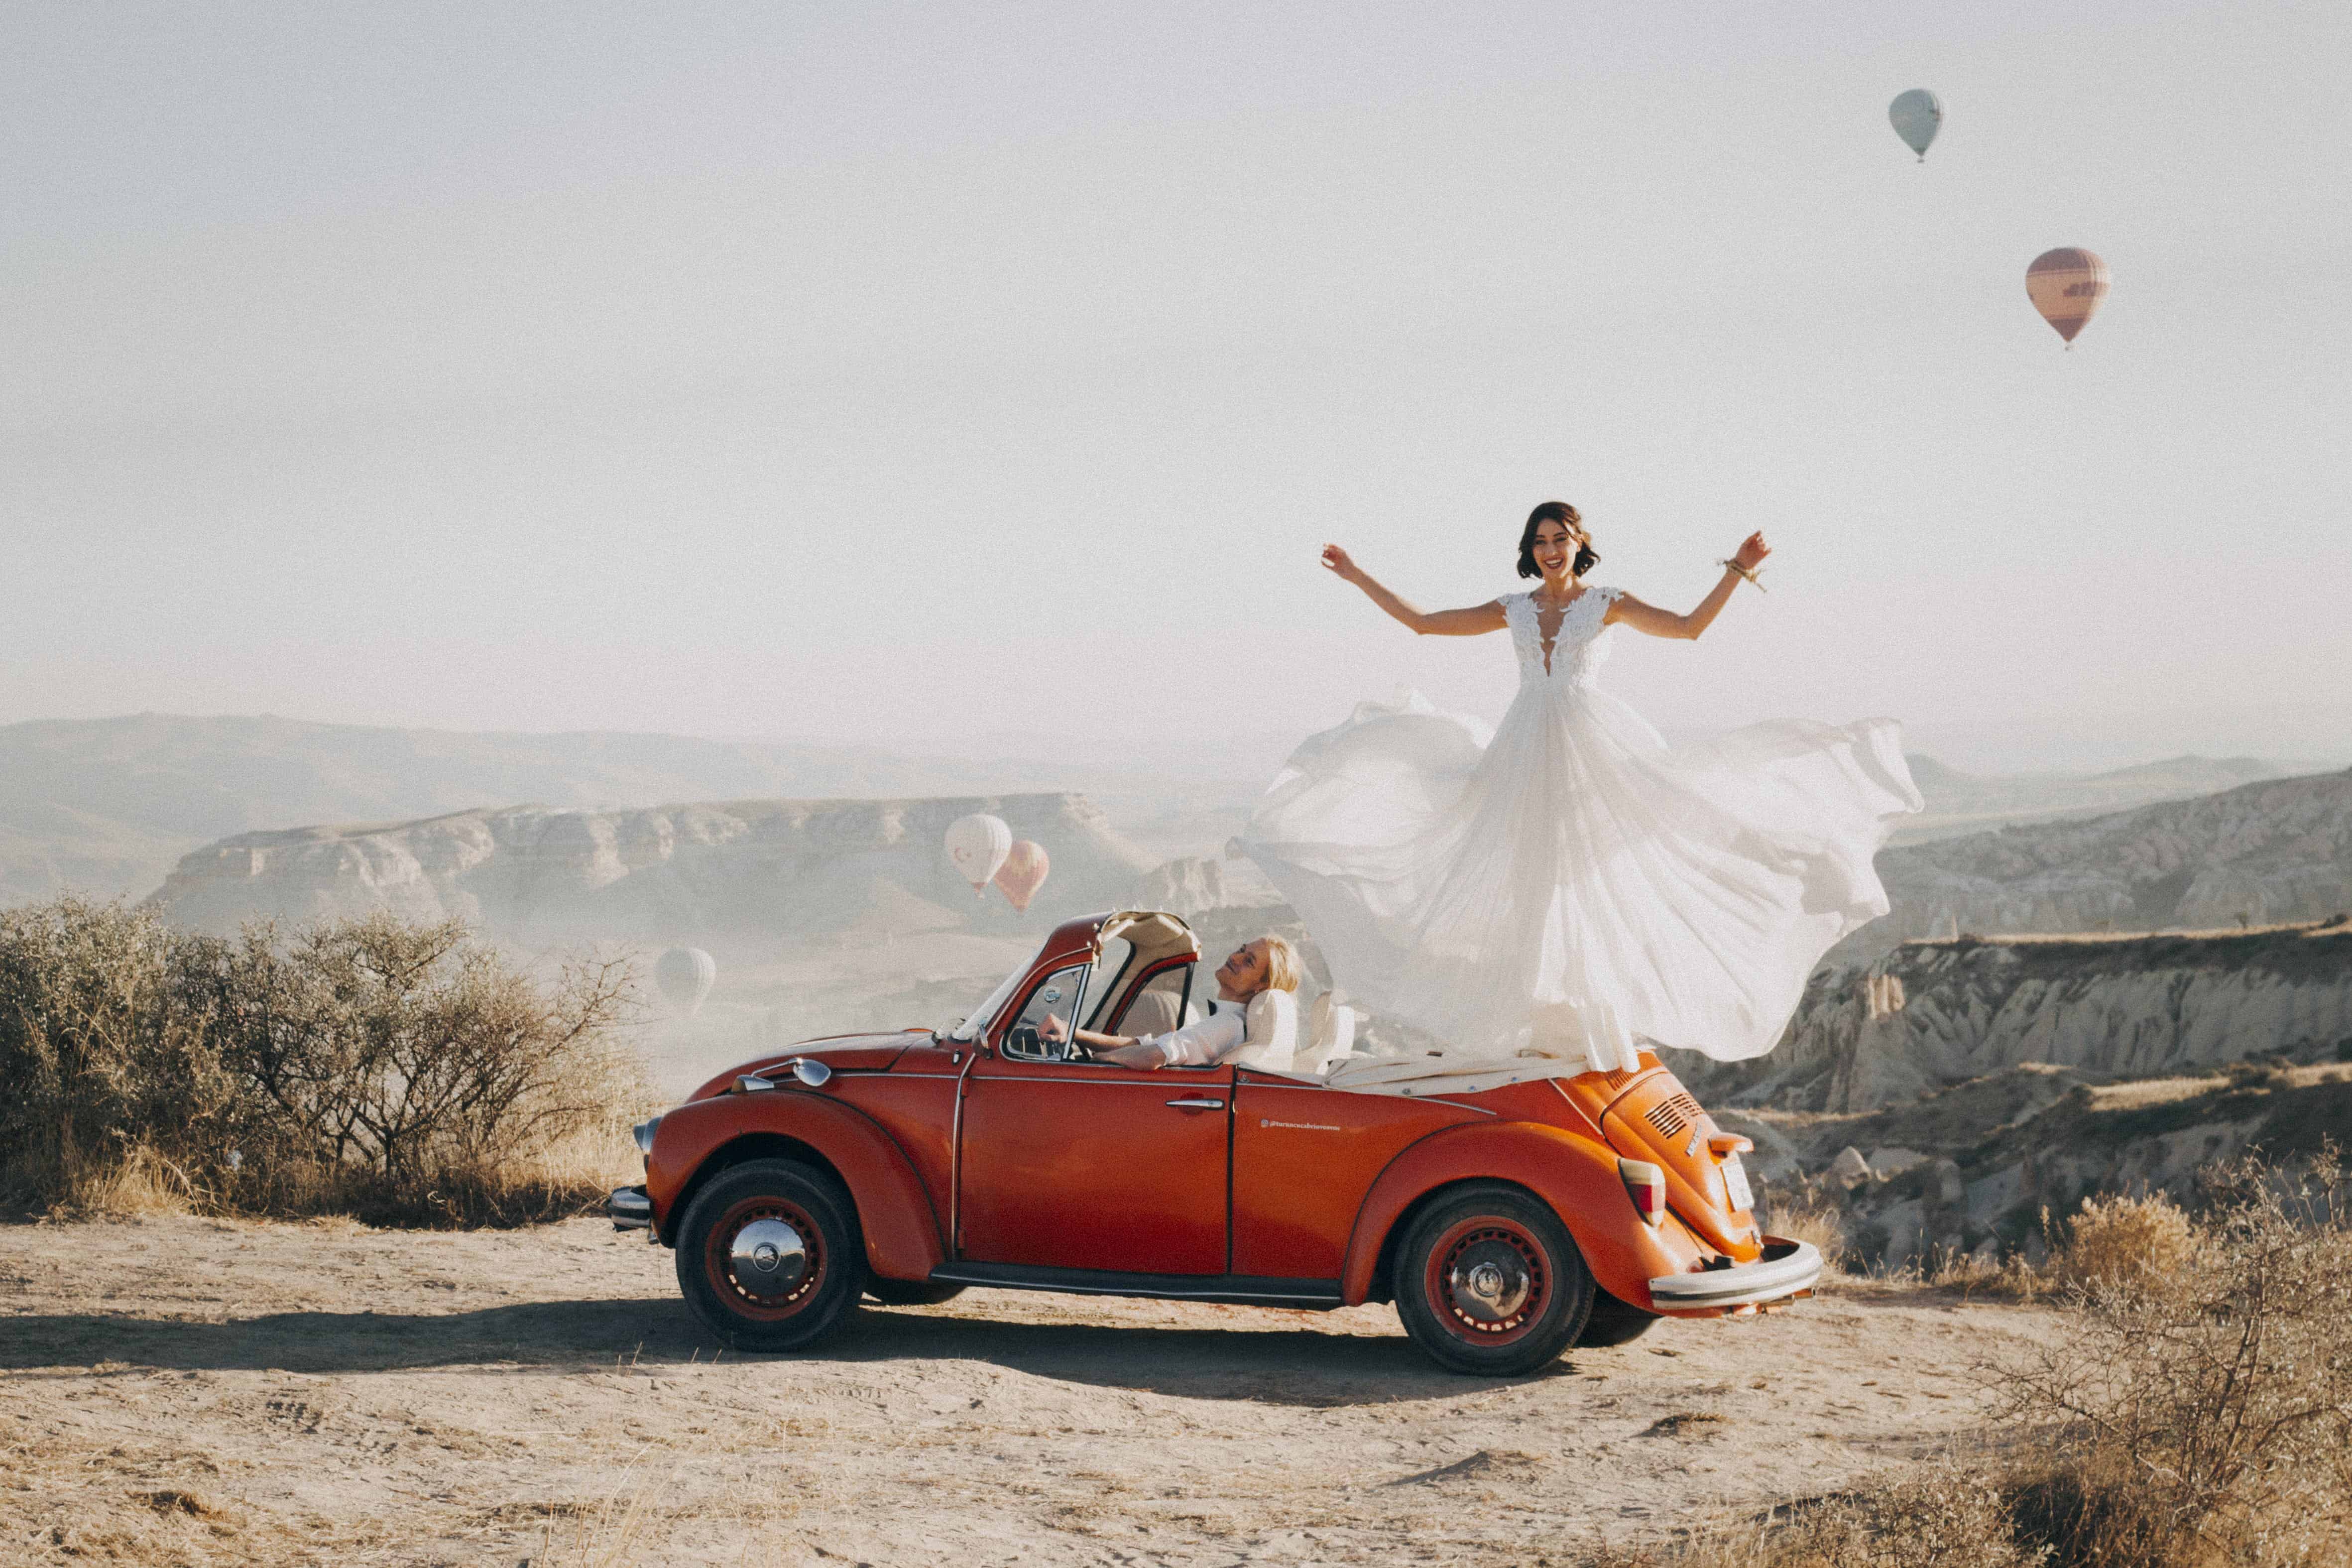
(1646,1185)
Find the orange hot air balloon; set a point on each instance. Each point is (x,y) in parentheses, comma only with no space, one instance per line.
(2066,285)
(1023,873)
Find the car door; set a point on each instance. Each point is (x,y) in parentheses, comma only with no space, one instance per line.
(1304,1156)
(1084,1166)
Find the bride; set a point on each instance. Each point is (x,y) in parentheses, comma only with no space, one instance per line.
(1547,901)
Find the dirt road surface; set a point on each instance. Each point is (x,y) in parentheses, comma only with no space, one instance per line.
(186,1390)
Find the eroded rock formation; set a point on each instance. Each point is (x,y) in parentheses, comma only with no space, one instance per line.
(797,867)
(1934,1014)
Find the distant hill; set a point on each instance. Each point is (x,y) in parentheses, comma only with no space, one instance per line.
(2277,850)
(721,871)
(1961,803)
(109,806)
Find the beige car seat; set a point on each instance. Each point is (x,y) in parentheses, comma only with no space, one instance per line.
(1270,1033)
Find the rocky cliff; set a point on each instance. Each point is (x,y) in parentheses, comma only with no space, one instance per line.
(1982,1168)
(2277,850)
(757,868)
(1934,1014)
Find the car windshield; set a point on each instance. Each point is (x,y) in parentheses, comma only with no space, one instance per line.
(977,1020)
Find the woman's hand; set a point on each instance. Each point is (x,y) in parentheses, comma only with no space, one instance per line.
(1340,561)
(1752,551)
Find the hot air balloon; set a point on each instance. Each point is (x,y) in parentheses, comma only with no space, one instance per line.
(1916,117)
(2066,285)
(685,976)
(1023,873)
(978,845)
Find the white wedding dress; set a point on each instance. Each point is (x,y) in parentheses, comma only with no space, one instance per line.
(1543,902)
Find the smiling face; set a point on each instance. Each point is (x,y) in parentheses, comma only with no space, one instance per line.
(1242,973)
(1555,548)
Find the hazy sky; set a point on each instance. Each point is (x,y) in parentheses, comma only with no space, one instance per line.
(944,376)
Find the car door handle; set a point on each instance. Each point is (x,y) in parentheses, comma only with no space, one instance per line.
(1198,1104)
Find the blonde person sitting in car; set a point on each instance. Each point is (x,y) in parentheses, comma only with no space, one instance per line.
(1253,1021)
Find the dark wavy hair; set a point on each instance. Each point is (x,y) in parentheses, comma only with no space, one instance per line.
(1586,558)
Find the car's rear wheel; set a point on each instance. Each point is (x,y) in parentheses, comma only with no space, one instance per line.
(769,1256)
(1489,1282)
(910,1293)
(1613,1322)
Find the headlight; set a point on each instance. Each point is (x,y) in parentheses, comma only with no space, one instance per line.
(644,1133)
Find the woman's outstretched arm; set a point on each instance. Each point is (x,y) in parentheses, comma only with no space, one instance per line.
(1462,623)
(1632,612)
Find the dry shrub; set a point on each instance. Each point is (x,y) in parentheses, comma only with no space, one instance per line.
(395,1071)
(2124,1240)
(2194,1410)
(2202,1412)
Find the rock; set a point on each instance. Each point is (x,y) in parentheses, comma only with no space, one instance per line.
(2135,1006)
(1888,1163)
(1943,1208)
(1850,1170)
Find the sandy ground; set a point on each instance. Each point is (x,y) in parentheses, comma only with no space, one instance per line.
(189,1390)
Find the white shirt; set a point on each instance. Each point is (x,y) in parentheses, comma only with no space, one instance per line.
(1204,1041)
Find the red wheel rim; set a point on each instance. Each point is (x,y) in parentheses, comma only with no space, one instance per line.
(1488,1280)
(739,1249)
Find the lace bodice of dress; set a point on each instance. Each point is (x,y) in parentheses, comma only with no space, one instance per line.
(1577,648)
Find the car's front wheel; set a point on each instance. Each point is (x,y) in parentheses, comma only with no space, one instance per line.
(769,1256)
(1489,1282)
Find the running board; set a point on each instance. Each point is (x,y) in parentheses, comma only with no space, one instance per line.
(1231,1289)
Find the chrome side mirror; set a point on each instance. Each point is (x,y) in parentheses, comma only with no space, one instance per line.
(812,1072)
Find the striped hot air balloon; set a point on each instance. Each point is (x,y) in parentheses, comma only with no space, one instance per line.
(2066,285)
(1023,873)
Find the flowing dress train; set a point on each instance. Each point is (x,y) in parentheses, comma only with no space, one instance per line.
(1547,899)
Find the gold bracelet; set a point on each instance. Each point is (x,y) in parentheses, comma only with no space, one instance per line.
(1744,572)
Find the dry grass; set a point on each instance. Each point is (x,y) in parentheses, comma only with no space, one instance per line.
(1809,1219)
(2123,1241)
(1949,1518)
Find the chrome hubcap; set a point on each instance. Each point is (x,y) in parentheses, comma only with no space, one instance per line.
(768,1258)
(1489,1282)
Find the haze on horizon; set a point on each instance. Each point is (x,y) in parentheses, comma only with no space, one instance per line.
(939,377)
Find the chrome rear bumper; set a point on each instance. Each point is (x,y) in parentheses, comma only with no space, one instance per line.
(630,1208)
(1786,1268)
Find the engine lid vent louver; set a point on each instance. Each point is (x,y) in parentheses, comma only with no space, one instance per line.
(1670,1116)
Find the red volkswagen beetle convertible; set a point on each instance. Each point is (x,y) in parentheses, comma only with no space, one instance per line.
(1506,1224)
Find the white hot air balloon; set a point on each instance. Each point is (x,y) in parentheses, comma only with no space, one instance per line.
(978,845)
(685,976)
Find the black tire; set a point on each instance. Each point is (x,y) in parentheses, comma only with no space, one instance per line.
(721,1282)
(1613,1322)
(1488,1282)
(910,1293)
